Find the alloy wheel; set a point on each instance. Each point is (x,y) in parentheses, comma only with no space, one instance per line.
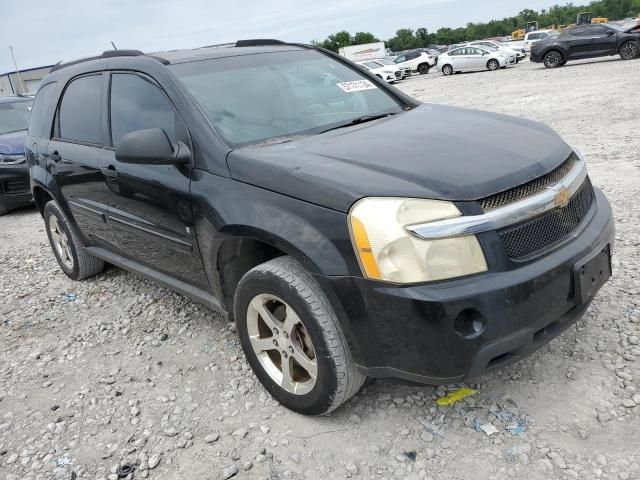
(552,60)
(282,344)
(629,51)
(60,242)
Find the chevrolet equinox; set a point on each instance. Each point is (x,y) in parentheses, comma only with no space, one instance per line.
(260,178)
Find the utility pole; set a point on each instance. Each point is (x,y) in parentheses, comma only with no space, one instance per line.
(24,90)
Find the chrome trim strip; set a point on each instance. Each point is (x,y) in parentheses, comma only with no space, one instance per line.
(504,216)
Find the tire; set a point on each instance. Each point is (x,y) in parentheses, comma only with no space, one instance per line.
(493,65)
(286,295)
(553,59)
(69,251)
(629,50)
(423,68)
(447,70)
(3,210)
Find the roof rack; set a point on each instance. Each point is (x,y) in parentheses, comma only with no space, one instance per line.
(259,42)
(108,54)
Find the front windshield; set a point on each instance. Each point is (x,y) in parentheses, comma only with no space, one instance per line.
(14,116)
(384,61)
(253,99)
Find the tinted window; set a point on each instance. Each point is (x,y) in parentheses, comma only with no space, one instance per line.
(38,125)
(81,110)
(596,31)
(580,32)
(14,116)
(137,104)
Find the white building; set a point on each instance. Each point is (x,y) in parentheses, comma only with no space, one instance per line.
(31,78)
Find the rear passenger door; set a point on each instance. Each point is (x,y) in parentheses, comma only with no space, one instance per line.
(75,155)
(580,42)
(150,206)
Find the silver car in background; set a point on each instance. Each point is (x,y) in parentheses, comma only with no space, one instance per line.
(467,59)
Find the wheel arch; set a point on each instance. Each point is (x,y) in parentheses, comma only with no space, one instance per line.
(41,196)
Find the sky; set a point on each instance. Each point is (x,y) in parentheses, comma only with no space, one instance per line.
(48,31)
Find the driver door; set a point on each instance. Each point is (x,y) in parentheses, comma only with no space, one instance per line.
(150,205)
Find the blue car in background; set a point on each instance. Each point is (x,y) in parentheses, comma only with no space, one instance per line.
(15,190)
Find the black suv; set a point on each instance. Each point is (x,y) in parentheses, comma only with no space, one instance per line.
(259,179)
(587,41)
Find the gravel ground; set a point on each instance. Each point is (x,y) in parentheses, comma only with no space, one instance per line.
(116,370)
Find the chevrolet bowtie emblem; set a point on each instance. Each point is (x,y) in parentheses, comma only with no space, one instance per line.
(562,198)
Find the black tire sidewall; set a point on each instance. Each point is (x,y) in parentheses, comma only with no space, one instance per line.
(320,398)
(52,210)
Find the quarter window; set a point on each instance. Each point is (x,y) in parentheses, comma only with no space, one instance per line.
(81,110)
(137,104)
(38,123)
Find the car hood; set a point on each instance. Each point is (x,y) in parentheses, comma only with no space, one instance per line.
(433,151)
(12,143)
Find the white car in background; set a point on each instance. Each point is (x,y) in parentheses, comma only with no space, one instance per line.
(417,60)
(532,38)
(388,73)
(508,50)
(466,59)
(405,71)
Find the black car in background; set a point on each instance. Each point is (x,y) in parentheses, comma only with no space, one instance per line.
(587,41)
(286,186)
(15,190)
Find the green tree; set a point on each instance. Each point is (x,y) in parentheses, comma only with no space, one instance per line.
(363,37)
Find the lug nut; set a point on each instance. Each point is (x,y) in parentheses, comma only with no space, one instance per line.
(284,354)
(275,331)
(275,343)
(285,334)
(291,350)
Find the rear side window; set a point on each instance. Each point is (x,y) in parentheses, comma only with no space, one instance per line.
(38,125)
(137,104)
(81,110)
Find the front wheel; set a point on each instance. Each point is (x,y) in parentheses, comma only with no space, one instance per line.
(629,50)
(292,338)
(553,60)
(447,70)
(493,65)
(423,68)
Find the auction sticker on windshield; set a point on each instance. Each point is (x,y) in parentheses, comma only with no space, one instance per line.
(356,86)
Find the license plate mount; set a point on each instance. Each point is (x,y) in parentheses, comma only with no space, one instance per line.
(591,273)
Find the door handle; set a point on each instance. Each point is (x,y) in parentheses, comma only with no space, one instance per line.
(110,171)
(55,156)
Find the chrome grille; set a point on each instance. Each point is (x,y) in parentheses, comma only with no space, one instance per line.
(528,189)
(538,234)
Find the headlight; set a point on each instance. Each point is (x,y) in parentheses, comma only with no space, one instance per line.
(387,251)
(12,159)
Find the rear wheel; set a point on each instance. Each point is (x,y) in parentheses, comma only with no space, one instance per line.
(292,338)
(629,50)
(493,65)
(553,60)
(69,251)
(423,68)
(447,70)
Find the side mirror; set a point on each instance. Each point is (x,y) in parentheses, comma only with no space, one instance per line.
(151,147)
(610,33)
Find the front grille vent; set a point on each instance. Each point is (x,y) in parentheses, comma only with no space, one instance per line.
(530,188)
(542,232)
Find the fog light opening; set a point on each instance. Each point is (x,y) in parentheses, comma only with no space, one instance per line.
(469,323)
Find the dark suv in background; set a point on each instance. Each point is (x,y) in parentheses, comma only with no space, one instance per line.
(15,189)
(587,41)
(259,179)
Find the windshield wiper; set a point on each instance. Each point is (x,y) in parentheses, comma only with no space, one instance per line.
(358,121)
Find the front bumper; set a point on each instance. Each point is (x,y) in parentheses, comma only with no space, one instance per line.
(15,190)
(407,332)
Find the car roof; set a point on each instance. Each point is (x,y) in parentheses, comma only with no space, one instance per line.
(222,51)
